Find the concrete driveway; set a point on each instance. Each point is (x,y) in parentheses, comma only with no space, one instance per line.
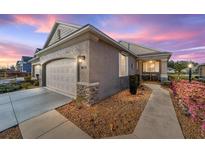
(16,107)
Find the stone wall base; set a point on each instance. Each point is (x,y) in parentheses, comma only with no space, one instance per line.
(88,91)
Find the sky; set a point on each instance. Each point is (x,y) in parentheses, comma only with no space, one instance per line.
(183,35)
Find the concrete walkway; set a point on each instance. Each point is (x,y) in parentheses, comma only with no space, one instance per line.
(51,125)
(158,120)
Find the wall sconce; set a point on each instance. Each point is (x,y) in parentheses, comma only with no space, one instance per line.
(38,66)
(81,59)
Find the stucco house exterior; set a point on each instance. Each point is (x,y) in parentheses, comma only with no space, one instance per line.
(201,70)
(24,65)
(83,61)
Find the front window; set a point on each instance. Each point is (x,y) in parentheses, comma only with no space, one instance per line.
(151,66)
(123,65)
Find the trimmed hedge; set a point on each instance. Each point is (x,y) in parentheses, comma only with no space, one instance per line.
(134,82)
(4,88)
(9,88)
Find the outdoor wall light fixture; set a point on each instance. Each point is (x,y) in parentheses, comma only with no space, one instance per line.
(81,59)
(38,66)
(190,71)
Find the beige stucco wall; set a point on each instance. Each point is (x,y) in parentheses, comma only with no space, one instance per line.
(71,49)
(202,71)
(104,68)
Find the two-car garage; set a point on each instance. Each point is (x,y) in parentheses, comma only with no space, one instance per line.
(61,76)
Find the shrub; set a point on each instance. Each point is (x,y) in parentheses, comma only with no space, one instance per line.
(166,83)
(79,100)
(2,89)
(26,85)
(171,77)
(27,78)
(36,83)
(201,80)
(134,83)
(9,88)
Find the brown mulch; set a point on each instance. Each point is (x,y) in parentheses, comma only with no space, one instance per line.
(190,129)
(116,115)
(11,133)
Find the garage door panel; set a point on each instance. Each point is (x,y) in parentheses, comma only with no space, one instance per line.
(61,76)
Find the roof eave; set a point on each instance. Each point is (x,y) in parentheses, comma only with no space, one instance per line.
(162,54)
(81,31)
(33,59)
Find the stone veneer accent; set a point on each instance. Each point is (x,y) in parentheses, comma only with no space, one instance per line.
(89,91)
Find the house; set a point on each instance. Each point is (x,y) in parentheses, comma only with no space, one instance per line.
(82,61)
(186,70)
(18,65)
(24,65)
(201,70)
(170,70)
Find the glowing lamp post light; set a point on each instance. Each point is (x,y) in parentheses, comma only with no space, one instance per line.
(190,71)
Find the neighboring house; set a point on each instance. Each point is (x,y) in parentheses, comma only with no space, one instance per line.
(18,65)
(83,61)
(186,70)
(170,70)
(201,70)
(24,65)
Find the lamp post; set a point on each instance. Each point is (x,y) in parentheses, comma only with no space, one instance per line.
(190,71)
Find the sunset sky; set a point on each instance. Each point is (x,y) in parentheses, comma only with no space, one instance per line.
(184,35)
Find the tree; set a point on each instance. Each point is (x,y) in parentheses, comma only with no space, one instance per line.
(179,66)
(170,64)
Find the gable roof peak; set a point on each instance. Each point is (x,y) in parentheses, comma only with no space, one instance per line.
(55,25)
(68,24)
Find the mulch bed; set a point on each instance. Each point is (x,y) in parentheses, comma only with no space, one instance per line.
(116,115)
(11,133)
(191,129)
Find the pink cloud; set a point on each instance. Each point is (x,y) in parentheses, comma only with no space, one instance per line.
(177,35)
(149,34)
(198,56)
(43,25)
(10,52)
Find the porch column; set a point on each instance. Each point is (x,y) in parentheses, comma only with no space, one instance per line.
(163,74)
(140,69)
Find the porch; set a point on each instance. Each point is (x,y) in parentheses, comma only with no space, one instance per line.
(152,69)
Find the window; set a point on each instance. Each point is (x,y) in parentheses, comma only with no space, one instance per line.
(123,65)
(151,66)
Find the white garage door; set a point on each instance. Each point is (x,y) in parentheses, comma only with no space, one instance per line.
(61,76)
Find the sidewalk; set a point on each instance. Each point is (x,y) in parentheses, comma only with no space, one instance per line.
(51,125)
(158,120)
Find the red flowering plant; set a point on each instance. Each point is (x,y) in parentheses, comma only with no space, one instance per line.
(191,96)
